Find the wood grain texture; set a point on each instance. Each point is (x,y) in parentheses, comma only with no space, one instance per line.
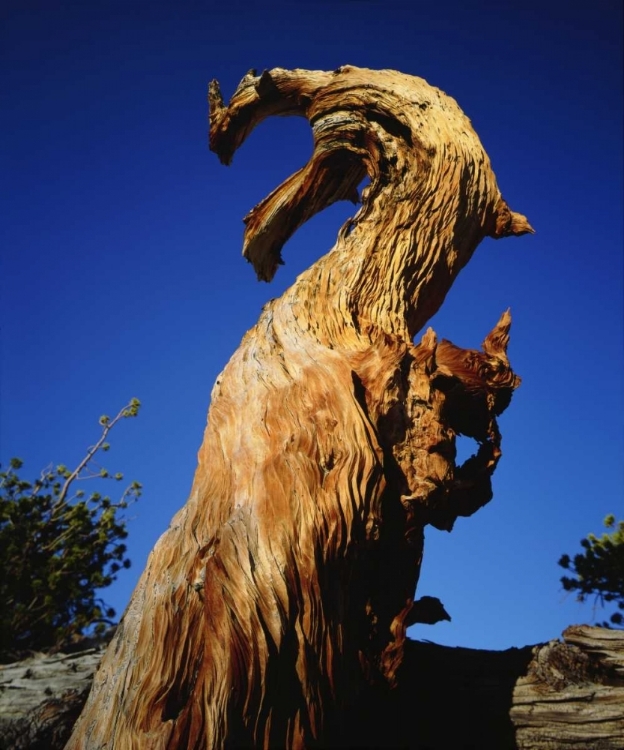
(491,695)
(573,693)
(42,696)
(282,588)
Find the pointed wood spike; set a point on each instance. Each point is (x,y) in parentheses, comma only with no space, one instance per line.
(426,350)
(496,342)
(215,98)
(429,338)
(508,223)
(265,86)
(216,109)
(520,225)
(248,79)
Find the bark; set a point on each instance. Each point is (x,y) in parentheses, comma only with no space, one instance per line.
(552,695)
(42,696)
(573,693)
(281,591)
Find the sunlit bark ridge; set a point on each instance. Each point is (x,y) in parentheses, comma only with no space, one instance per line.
(282,588)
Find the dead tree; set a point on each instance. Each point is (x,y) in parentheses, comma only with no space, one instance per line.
(282,588)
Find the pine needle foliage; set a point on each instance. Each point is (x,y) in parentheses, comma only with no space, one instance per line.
(599,570)
(58,548)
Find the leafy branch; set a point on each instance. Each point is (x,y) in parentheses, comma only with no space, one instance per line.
(57,549)
(599,570)
(130,410)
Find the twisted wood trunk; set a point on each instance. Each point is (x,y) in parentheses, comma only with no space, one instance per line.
(282,588)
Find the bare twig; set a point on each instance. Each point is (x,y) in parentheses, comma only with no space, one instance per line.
(128,410)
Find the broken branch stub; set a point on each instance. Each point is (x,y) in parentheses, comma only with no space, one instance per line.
(282,590)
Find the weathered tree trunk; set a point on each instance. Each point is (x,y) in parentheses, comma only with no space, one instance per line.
(282,588)
(542,697)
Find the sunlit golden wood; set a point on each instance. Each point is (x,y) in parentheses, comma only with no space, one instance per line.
(282,589)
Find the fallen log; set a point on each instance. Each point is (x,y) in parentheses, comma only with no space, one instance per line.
(42,695)
(573,693)
(564,693)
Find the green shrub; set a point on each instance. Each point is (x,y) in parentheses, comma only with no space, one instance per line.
(58,547)
(599,570)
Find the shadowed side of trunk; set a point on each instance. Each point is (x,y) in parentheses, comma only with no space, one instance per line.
(564,692)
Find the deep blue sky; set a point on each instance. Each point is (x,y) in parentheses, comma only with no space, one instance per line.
(122,276)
